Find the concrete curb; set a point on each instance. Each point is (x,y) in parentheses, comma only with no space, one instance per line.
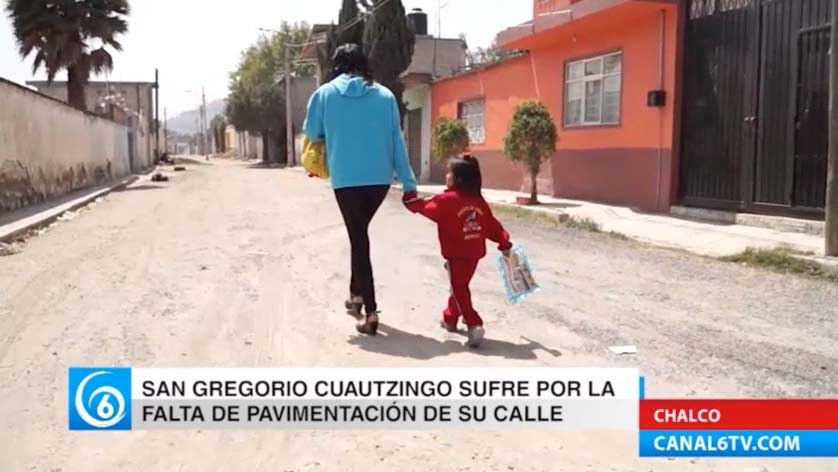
(46,217)
(827,264)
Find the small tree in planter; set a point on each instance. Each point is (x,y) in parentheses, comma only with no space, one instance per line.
(531,140)
(450,138)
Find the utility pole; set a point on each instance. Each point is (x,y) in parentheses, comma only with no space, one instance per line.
(289,125)
(204,122)
(831,229)
(156,114)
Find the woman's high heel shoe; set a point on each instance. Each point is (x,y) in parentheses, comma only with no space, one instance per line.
(369,325)
(354,305)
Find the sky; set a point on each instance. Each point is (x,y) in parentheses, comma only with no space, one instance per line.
(197,43)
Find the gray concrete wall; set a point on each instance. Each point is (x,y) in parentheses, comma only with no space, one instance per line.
(48,149)
(136,97)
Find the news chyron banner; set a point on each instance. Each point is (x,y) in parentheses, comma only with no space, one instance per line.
(354,398)
(739,428)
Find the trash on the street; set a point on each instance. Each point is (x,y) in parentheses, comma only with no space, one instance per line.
(68,216)
(180,168)
(159,177)
(8,250)
(623,350)
(516,274)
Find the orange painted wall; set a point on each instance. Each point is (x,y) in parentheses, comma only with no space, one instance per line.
(503,87)
(616,164)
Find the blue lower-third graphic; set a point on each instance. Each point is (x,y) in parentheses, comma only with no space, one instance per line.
(100,398)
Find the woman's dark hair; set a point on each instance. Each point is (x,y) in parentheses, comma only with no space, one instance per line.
(351,59)
(466,173)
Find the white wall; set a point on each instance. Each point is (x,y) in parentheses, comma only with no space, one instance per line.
(48,149)
(415,98)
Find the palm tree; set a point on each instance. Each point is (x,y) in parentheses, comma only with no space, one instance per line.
(69,34)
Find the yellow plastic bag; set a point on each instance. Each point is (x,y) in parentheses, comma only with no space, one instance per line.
(314,158)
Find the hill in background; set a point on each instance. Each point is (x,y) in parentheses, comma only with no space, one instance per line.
(186,122)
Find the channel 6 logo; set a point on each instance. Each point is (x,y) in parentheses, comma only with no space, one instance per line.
(100,398)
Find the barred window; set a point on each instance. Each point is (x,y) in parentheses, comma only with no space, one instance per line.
(473,115)
(593,90)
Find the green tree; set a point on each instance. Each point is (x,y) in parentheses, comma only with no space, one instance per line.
(389,42)
(218,125)
(450,138)
(256,101)
(69,34)
(531,139)
(483,56)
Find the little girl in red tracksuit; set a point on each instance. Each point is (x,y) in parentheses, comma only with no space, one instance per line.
(464,222)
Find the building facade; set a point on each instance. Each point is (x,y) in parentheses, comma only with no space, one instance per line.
(606,70)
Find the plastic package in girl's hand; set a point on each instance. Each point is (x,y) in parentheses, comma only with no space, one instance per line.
(516,274)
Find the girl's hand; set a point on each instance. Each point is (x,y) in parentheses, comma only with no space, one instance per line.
(409,197)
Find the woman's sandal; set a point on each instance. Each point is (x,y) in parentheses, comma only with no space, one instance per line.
(369,325)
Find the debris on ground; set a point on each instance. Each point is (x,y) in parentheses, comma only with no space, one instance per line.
(623,350)
(68,216)
(180,168)
(159,177)
(8,250)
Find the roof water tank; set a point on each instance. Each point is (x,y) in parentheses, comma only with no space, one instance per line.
(419,20)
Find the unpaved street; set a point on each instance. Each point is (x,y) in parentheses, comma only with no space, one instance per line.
(234,265)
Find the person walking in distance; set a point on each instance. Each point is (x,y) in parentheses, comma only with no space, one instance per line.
(360,122)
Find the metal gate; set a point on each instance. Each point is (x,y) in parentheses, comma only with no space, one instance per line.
(755,105)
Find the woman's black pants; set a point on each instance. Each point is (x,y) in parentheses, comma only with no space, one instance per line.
(358,205)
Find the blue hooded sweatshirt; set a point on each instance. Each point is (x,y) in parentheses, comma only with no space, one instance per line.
(361,126)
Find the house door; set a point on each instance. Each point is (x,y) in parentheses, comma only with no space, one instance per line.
(414,140)
(755,105)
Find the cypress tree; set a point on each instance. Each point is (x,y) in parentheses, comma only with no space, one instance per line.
(341,34)
(389,43)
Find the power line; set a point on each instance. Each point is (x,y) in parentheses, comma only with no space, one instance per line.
(360,16)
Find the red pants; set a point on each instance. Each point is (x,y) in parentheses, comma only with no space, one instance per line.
(460,272)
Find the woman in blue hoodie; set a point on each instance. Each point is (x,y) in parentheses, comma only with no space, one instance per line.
(360,122)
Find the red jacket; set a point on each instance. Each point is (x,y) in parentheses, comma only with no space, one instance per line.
(464,222)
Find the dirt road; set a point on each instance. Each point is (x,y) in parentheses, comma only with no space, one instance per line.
(240,266)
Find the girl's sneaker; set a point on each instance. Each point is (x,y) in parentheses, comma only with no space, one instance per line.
(451,328)
(475,336)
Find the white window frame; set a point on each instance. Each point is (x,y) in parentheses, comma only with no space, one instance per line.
(475,122)
(584,80)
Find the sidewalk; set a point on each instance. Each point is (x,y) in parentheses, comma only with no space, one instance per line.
(17,223)
(708,239)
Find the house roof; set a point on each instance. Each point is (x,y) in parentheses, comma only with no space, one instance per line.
(538,31)
(436,57)
(315,37)
(482,67)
